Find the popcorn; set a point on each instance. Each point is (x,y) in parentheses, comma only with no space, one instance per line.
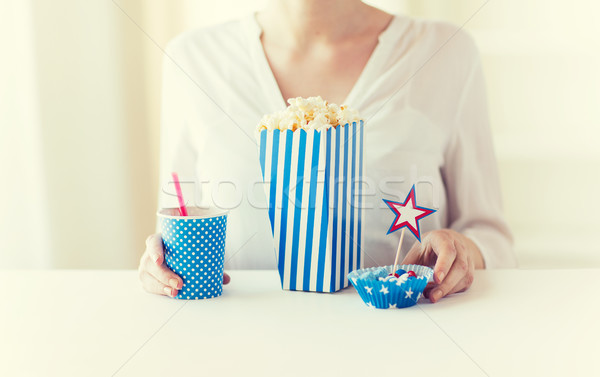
(312,113)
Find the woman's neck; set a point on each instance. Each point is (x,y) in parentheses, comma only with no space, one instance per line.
(303,22)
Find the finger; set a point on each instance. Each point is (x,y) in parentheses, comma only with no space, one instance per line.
(226,278)
(446,252)
(152,285)
(155,248)
(163,274)
(414,255)
(428,288)
(463,285)
(460,269)
(427,291)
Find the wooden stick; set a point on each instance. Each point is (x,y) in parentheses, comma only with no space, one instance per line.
(398,251)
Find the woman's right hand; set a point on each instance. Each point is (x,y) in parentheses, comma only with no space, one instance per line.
(155,275)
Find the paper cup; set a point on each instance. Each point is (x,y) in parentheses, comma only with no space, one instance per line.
(389,294)
(312,184)
(195,249)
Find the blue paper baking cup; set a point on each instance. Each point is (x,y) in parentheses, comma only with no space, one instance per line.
(388,294)
(195,249)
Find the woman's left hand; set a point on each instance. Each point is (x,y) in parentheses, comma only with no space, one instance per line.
(455,257)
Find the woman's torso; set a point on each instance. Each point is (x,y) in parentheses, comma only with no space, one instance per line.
(406,93)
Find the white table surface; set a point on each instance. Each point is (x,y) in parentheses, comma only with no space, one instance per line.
(101,323)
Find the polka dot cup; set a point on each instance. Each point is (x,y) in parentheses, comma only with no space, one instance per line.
(195,249)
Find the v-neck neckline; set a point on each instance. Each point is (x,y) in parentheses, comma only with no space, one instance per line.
(271,87)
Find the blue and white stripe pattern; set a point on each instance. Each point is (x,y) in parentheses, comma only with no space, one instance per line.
(312,183)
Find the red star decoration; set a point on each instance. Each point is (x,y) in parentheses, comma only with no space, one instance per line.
(408,214)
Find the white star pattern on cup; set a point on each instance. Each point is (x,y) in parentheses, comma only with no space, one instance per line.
(198,282)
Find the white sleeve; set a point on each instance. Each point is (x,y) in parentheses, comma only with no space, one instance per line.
(177,152)
(470,174)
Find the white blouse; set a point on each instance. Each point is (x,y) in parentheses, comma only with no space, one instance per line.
(422,97)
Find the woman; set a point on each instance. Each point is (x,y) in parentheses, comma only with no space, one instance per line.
(418,85)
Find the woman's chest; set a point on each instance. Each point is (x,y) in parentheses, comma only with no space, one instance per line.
(403,147)
(399,143)
(328,72)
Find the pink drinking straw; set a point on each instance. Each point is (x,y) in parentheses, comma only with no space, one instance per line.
(182,209)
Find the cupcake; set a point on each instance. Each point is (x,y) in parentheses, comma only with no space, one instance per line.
(382,288)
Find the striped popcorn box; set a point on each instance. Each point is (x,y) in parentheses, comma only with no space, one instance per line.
(312,183)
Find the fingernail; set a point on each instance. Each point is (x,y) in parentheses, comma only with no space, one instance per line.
(168,291)
(436,295)
(173,283)
(155,259)
(441,276)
